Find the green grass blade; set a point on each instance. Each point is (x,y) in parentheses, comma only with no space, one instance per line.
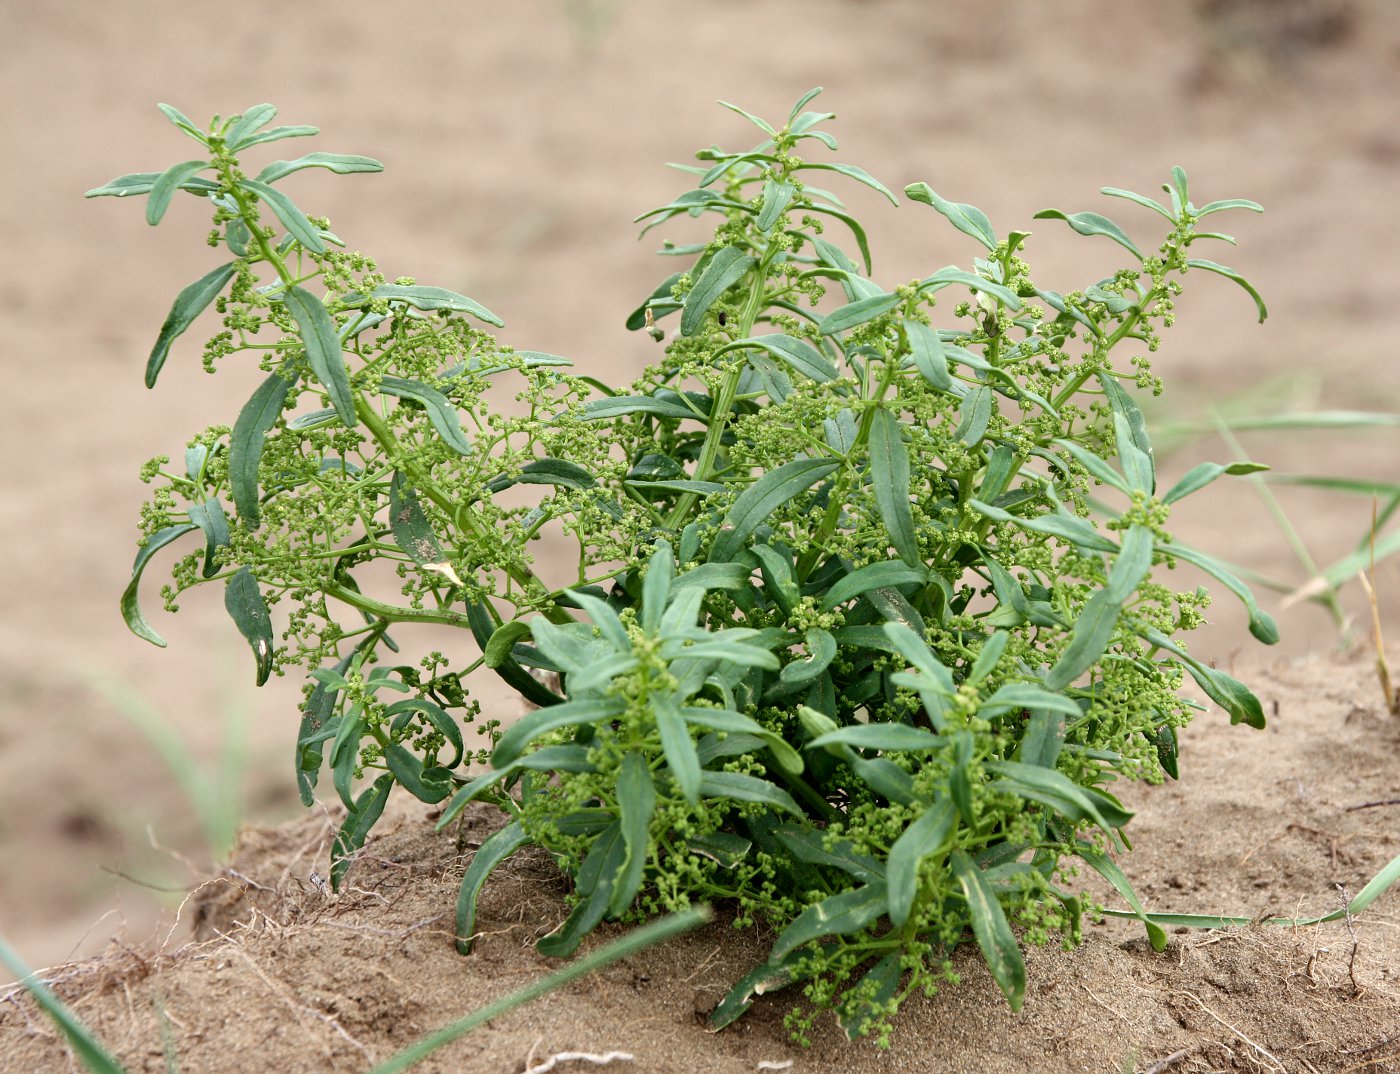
(644,937)
(94,1056)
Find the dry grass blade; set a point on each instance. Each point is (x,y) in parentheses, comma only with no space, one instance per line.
(1388,689)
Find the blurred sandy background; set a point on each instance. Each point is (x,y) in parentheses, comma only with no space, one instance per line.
(519,140)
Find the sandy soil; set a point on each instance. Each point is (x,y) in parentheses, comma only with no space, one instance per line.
(519,141)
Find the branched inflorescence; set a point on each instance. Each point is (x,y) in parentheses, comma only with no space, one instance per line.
(847,638)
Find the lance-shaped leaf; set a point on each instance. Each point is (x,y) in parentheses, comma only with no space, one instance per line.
(1198,477)
(369,807)
(879,736)
(499,846)
(839,915)
(777,195)
(869,1001)
(141,182)
(761,499)
(245,605)
(209,516)
(636,800)
(968,219)
(254,119)
(924,837)
(801,356)
(245,447)
(442,412)
(976,409)
(169,181)
(275,134)
(858,232)
(293,219)
(857,313)
(426,783)
(882,575)
(1093,631)
(742,788)
(340,163)
(131,609)
(1231,274)
(768,977)
(428,299)
(1224,689)
(1049,787)
(1092,224)
(1145,202)
(1109,870)
(945,277)
(410,526)
(725,269)
(570,714)
(1130,432)
(1069,528)
(596,881)
(993,933)
(851,171)
(322,342)
(189,304)
(926,349)
(1261,624)
(621,405)
(889,474)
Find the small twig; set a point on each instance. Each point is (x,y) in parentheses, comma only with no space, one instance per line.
(1372,805)
(579,1057)
(1355,943)
(1169,1062)
(1278,1064)
(774,1064)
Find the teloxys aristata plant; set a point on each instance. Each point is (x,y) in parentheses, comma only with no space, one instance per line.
(845,645)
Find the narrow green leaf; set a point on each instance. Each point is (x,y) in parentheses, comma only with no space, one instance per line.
(1096,466)
(656,586)
(189,304)
(1133,442)
(851,171)
(1109,870)
(209,516)
(799,355)
(322,342)
(679,748)
(925,836)
(926,348)
(757,503)
(531,726)
(1261,624)
(621,405)
(810,845)
(183,122)
(761,124)
(880,736)
(1092,224)
(1024,695)
(596,881)
(1131,565)
(993,933)
(131,609)
(293,219)
(245,605)
(163,189)
(429,785)
(1093,631)
(777,196)
(770,976)
(1069,528)
(857,313)
(427,299)
(968,219)
(637,319)
(1054,789)
(1229,203)
(881,575)
(340,163)
(434,715)
(499,846)
(821,647)
(858,232)
(254,421)
(442,412)
(254,119)
(636,799)
(275,134)
(945,277)
(1231,274)
(889,474)
(741,788)
(872,996)
(409,524)
(369,807)
(1145,202)
(839,915)
(726,268)
(976,409)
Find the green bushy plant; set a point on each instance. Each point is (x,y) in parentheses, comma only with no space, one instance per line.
(845,643)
